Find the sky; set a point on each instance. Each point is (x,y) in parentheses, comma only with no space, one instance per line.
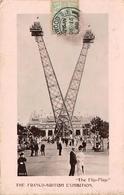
(32,90)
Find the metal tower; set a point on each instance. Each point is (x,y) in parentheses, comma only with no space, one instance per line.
(73,89)
(62,108)
(55,94)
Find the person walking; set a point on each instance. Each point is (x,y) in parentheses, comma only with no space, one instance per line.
(80,161)
(21,165)
(36,148)
(73,162)
(66,142)
(84,144)
(32,149)
(42,149)
(60,148)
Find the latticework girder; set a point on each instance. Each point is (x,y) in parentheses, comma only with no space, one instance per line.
(55,94)
(62,108)
(73,89)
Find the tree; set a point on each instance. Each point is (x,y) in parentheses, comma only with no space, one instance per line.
(35,131)
(21,130)
(98,125)
(104,130)
(86,128)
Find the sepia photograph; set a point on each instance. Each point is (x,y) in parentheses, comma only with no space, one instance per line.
(61,97)
(63,121)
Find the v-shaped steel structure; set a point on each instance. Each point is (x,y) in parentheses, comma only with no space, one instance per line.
(63,108)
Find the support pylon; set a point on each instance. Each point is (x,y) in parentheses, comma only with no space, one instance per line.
(73,89)
(55,94)
(62,108)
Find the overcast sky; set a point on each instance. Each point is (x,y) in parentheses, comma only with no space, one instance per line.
(32,90)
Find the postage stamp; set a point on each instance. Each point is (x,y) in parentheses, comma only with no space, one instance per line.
(56,5)
(65,17)
(66,21)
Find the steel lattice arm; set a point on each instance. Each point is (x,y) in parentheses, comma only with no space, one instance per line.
(73,89)
(62,109)
(54,90)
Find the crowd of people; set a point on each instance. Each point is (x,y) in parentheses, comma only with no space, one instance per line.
(78,148)
(37,148)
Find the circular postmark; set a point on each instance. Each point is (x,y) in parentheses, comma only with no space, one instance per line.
(66,21)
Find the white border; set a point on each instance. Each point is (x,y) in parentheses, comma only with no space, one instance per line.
(8,38)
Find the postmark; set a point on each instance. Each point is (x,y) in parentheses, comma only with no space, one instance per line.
(66,21)
(65,17)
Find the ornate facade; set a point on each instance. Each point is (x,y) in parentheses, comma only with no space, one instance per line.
(47,125)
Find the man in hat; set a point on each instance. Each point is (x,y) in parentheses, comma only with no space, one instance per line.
(73,162)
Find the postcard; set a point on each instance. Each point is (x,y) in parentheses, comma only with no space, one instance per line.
(62,97)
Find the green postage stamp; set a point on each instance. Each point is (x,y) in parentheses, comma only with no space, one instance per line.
(65,16)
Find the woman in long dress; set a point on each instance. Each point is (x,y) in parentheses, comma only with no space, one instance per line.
(21,165)
(80,161)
